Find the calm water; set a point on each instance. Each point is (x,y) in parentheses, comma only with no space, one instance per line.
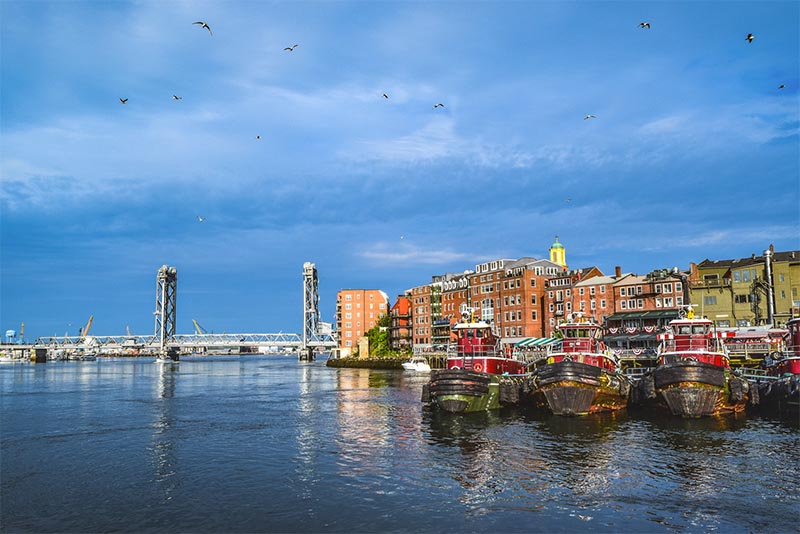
(268,444)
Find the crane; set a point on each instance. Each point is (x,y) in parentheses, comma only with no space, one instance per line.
(199,329)
(85,330)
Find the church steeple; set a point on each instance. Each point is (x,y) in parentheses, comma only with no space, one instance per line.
(558,254)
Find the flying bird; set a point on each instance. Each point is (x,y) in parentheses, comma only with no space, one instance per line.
(749,37)
(291,48)
(589,117)
(123,100)
(644,25)
(438,106)
(258,137)
(385,95)
(176,97)
(204,25)
(201,219)
(781,86)
(567,200)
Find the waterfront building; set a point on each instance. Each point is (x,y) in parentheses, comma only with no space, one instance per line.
(421,314)
(357,311)
(559,296)
(520,303)
(594,297)
(400,327)
(737,292)
(643,307)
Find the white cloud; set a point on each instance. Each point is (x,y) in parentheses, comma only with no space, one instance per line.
(410,255)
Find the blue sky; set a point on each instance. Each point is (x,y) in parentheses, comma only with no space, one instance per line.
(693,153)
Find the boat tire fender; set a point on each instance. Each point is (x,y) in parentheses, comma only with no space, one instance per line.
(477,367)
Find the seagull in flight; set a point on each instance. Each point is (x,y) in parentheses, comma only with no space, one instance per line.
(644,25)
(291,48)
(204,25)
(201,219)
(123,100)
(258,137)
(385,95)
(438,106)
(176,97)
(589,117)
(749,37)
(781,86)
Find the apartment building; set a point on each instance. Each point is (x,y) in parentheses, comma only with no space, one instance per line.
(421,314)
(357,311)
(594,297)
(400,326)
(521,299)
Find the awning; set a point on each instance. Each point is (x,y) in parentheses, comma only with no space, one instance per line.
(537,341)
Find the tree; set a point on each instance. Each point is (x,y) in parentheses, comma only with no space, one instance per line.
(378,337)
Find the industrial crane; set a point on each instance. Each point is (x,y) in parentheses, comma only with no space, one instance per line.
(199,329)
(85,330)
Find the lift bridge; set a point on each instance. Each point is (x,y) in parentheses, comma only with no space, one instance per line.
(315,337)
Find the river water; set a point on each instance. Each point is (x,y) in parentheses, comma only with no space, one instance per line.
(270,444)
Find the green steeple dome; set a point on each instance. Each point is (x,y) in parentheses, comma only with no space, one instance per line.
(556,244)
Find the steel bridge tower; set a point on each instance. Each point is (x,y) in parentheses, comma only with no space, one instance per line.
(166,297)
(310,310)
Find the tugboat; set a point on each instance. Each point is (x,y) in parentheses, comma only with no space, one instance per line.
(780,392)
(693,377)
(580,376)
(478,375)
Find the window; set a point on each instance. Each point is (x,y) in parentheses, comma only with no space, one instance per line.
(603,303)
(667,302)
(622,292)
(551,307)
(783,294)
(348,297)
(631,304)
(348,325)
(678,287)
(348,334)
(742,299)
(709,300)
(348,315)
(602,289)
(348,306)
(592,291)
(638,290)
(640,303)
(667,288)
(679,301)
(533,315)
(780,277)
(533,299)
(622,305)
(583,306)
(348,343)
(593,305)
(533,282)
(580,291)
(658,288)
(658,303)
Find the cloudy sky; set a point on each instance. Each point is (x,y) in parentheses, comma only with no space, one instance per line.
(692,154)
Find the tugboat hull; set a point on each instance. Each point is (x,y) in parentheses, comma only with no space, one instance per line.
(460,391)
(781,396)
(693,389)
(574,388)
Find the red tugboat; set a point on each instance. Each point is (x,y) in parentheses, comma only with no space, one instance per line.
(478,374)
(780,393)
(693,377)
(579,377)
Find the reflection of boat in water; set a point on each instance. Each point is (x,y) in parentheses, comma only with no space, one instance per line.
(471,380)
(417,363)
(693,377)
(779,393)
(579,377)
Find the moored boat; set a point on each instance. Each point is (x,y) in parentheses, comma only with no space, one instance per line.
(579,376)
(779,392)
(418,364)
(478,374)
(693,377)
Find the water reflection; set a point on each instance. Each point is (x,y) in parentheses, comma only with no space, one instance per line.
(163,441)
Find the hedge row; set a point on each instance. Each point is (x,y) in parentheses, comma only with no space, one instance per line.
(367,363)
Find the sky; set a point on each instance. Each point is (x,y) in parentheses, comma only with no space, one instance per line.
(692,152)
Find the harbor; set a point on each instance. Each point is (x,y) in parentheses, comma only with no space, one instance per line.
(259,443)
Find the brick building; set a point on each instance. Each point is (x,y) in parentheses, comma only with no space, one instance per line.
(357,311)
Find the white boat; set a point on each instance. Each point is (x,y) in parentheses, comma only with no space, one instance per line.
(417,363)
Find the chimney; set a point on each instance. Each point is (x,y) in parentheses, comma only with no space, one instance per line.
(617,271)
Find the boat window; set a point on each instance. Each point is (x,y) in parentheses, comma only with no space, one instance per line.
(470,333)
(685,329)
(700,329)
(479,333)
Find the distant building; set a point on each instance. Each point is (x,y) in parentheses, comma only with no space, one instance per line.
(357,311)
(737,292)
(558,254)
(400,327)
